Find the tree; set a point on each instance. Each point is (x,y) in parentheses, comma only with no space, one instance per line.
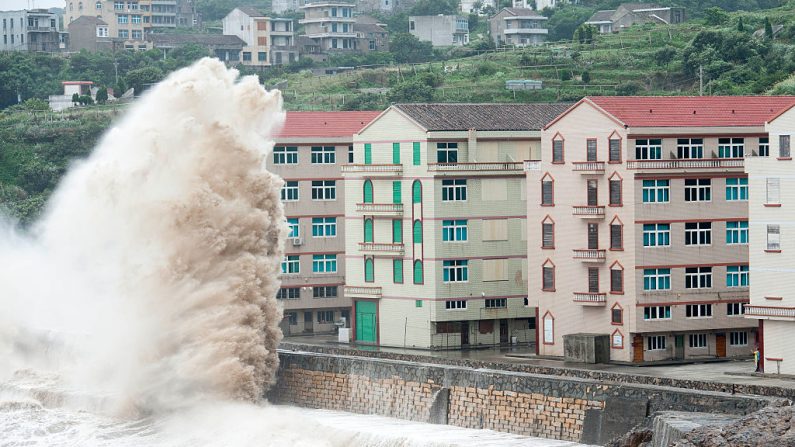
(715,16)
(141,78)
(740,26)
(412,90)
(664,56)
(588,34)
(586,77)
(768,29)
(408,48)
(75,98)
(629,88)
(102,95)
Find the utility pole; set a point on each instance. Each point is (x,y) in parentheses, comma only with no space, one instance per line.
(700,80)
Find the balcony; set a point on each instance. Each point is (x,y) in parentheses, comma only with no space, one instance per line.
(381,249)
(704,163)
(380,209)
(362,292)
(385,169)
(588,212)
(590,299)
(589,167)
(526,31)
(532,165)
(770,312)
(589,255)
(482,167)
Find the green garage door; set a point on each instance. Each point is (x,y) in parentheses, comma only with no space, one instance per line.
(365,321)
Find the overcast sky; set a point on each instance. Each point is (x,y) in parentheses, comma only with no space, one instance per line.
(6,5)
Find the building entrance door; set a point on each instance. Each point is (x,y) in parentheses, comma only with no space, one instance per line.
(366,322)
(308,321)
(464,333)
(679,347)
(637,349)
(720,344)
(503,331)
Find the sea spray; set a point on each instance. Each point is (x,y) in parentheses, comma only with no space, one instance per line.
(151,278)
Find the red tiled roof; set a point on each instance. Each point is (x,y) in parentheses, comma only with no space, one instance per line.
(325,124)
(693,111)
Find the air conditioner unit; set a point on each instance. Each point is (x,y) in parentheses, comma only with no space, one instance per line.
(298,241)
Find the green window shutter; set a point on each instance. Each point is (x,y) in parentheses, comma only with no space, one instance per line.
(369,274)
(396,153)
(416,192)
(397,271)
(397,231)
(368,153)
(417,303)
(396,192)
(417,272)
(368,230)
(417,232)
(368,191)
(416,153)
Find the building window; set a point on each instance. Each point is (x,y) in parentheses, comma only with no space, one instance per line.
(324,263)
(247,56)
(455,270)
(324,190)
(98,5)
(325,316)
(395,153)
(656,191)
(557,150)
(547,191)
(291,265)
(455,304)
(773,186)
(648,149)
(698,233)
(417,303)
(135,19)
(764,147)
(698,277)
(496,303)
(615,149)
(590,150)
(616,236)
(549,329)
(698,340)
(324,155)
(615,192)
(368,230)
(350,154)
(138,35)
(454,230)
(122,19)
(369,273)
(324,292)
(285,155)
(698,311)
(735,309)
(132,6)
(783,146)
(102,31)
(548,233)
(656,279)
(655,343)
(288,293)
(368,153)
(617,279)
(548,276)
(656,235)
(397,192)
(738,338)
(657,313)
(737,232)
(290,192)
(262,56)
(731,147)
(617,315)
(123,34)
(774,237)
(690,148)
(367,192)
(397,271)
(736,189)
(397,231)
(454,190)
(295,231)
(416,153)
(447,152)
(737,276)
(324,227)
(418,273)
(698,190)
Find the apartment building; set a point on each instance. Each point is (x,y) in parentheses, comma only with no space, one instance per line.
(330,25)
(771,184)
(440,30)
(434,215)
(31,30)
(640,231)
(518,27)
(308,154)
(269,41)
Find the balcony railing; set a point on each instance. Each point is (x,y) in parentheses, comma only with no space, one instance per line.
(362,292)
(382,248)
(588,212)
(373,169)
(469,167)
(590,299)
(705,163)
(532,165)
(589,167)
(388,209)
(590,255)
(769,311)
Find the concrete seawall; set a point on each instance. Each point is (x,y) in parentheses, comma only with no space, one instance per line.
(579,409)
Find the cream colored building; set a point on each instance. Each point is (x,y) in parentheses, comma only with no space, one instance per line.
(638,225)
(771,178)
(269,41)
(330,24)
(435,219)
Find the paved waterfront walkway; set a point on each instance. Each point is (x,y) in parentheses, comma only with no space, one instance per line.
(729,372)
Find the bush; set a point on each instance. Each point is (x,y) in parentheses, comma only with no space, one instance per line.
(412,90)
(629,88)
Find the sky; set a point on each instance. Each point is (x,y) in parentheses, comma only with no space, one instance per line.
(6,5)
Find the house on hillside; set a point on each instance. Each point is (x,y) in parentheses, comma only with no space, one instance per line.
(628,14)
(89,33)
(441,30)
(225,48)
(519,27)
(32,30)
(372,36)
(269,40)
